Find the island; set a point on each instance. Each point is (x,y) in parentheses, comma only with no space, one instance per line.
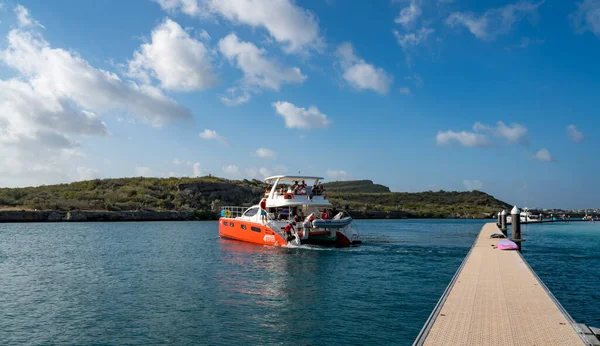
(154,199)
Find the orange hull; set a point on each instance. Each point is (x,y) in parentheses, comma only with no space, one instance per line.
(251,232)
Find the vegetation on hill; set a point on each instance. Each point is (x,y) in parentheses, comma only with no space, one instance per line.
(438,204)
(207,194)
(355,186)
(124,194)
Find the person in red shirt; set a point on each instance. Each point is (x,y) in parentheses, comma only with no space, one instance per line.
(288,231)
(263,210)
(325,215)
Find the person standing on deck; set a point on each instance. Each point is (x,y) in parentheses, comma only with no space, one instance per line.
(263,210)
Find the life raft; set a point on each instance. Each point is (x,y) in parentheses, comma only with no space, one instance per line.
(341,223)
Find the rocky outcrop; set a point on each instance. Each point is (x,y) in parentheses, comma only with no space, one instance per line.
(227,193)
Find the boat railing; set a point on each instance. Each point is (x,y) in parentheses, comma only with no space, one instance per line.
(307,197)
(232,211)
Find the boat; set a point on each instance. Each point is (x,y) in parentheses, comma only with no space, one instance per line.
(526,217)
(289,216)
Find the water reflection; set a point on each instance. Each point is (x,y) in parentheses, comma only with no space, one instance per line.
(281,280)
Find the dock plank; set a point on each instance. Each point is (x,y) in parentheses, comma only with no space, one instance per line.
(481,308)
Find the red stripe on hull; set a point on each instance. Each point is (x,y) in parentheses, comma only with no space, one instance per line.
(250,232)
(342,239)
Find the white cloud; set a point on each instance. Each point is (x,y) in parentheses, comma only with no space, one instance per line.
(515,133)
(574,134)
(231,170)
(406,41)
(55,99)
(301,118)
(587,17)
(473,184)
(258,173)
(408,15)
(360,74)
(405,91)
(232,100)
(24,19)
(337,175)
(63,75)
(291,25)
(197,171)
(189,7)
(543,155)
(258,70)
(464,138)
(178,61)
(495,21)
(411,41)
(212,134)
(85,173)
(266,153)
(177,162)
(143,171)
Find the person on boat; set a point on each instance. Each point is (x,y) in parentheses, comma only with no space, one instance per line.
(295,188)
(313,192)
(325,215)
(334,212)
(263,210)
(320,189)
(288,231)
(302,188)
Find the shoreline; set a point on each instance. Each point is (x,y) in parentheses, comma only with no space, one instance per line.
(18,216)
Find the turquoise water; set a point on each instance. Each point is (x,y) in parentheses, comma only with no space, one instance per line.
(178,283)
(567,259)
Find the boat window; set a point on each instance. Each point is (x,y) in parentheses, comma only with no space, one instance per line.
(231,224)
(255,229)
(225,223)
(251,212)
(244,227)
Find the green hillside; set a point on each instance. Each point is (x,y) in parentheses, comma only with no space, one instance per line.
(362,198)
(438,204)
(135,194)
(355,186)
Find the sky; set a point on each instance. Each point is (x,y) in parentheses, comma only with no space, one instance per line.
(497,96)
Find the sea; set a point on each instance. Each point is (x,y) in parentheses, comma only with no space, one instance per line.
(178,283)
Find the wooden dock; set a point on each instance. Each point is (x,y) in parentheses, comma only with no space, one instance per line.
(495,298)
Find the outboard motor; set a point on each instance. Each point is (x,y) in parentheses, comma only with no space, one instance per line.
(307,226)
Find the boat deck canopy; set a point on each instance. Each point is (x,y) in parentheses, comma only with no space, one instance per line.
(290,178)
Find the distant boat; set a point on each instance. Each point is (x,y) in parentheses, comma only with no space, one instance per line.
(526,217)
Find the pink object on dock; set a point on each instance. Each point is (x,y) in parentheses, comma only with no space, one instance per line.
(506,244)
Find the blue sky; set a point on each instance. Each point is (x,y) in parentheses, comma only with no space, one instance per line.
(417,95)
